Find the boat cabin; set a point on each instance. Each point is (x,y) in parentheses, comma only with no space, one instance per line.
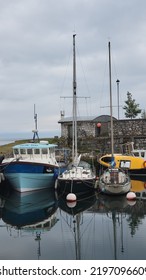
(35,150)
(139,153)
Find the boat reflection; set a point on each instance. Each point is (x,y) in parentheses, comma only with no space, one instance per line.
(139,187)
(22,210)
(29,209)
(83,202)
(104,224)
(74,216)
(28,214)
(115,208)
(96,226)
(127,218)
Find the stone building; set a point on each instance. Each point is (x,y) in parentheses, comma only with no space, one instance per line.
(94,132)
(86,126)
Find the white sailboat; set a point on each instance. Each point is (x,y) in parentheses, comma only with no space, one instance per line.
(78,177)
(113,180)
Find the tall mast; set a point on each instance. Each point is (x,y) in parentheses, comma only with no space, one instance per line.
(35,130)
(111,107)
(74,142)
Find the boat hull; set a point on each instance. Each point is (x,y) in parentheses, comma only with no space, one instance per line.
(26,167)
(74,185)
(137,172)
(114,189)
(24,182)
(135,166)
(114,181)
(25,176)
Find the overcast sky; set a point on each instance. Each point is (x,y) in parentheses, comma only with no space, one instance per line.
(36,59)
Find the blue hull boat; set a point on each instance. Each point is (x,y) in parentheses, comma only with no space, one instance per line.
(31,167)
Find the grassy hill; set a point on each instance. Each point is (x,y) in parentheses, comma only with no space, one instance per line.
(7,149)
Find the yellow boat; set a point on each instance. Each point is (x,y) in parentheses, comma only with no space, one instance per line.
(134,165)
(139,187)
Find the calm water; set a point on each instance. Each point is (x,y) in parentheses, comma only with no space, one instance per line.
(40,225)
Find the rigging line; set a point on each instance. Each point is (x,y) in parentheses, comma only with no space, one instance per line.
(86,84)
(90,238)
(63,236)
(85,198)
(87,107)
(66,70)
(87,225)
(87,87)
(65,75)
(65,220)
(103,82)
(103,231)
(70,227)
(114,67)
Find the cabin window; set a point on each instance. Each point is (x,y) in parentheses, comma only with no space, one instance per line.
(22,151)
(16,151)
(29,151)
(144,194)
(44,151)
(136,154)
(125,163)
(36,151)
(142,154)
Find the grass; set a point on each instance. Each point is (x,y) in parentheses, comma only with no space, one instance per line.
(7,149)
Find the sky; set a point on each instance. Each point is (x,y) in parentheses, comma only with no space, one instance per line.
(36,38)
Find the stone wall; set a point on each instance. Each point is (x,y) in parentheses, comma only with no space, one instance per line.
(124,131)
(130,127)
(85,129)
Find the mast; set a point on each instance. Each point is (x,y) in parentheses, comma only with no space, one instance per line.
(77,236)
(111,107)
(35,130)
(74,136)
(115,234)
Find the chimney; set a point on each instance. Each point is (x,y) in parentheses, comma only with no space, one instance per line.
(62,114)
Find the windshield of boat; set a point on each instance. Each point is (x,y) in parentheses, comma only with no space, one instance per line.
(106,159)
(139,154)
(44,151)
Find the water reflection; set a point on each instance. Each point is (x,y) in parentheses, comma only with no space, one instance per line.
(42,224)
(139,187)
(28,213)
(74,219)
(29,209)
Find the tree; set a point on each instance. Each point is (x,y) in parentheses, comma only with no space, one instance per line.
(131,108)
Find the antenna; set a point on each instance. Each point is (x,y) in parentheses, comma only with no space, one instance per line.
(35,130)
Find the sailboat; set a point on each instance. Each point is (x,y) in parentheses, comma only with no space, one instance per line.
(113,180)
(79,176)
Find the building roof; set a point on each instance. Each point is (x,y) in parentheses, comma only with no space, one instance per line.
(102,118)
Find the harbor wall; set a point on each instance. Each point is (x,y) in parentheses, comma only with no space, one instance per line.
(91,138)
